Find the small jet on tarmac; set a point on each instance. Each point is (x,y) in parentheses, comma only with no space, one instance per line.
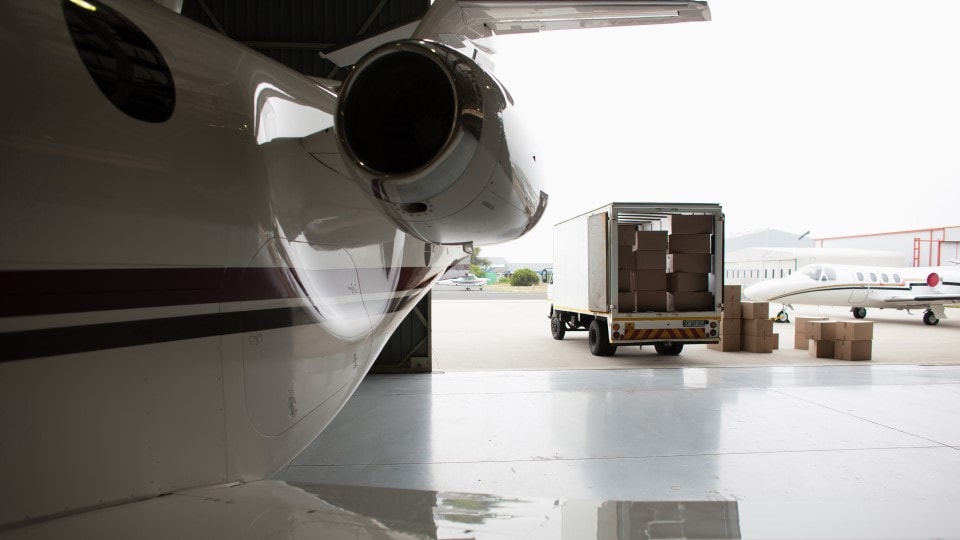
(860,287)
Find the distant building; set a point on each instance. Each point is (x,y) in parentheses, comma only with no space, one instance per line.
(920,247)
(766,238)
(751,265)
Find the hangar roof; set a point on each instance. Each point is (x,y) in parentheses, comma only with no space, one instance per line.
(293,32)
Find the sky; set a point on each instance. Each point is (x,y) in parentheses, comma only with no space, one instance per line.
(839,117)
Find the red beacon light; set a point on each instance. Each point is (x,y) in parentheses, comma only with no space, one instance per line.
(933,279)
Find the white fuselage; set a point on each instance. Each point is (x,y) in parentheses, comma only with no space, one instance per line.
(861,287)
(182,303)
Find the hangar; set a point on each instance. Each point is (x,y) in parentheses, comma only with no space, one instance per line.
(149,394)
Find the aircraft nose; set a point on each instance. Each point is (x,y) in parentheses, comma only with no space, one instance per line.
(758,292)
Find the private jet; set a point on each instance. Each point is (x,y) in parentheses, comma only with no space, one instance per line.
(203,251)
(860,287)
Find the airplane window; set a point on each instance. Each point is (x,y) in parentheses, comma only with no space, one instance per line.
(859,276)
(829,273)
(896,277)
(125,65)
(885,278)
(873,277)
(813,272)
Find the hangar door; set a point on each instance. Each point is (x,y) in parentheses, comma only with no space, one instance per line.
(408,350)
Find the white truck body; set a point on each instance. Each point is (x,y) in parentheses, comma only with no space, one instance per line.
(609,286)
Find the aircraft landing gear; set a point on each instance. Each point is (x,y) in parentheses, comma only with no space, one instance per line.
(930,318)
(782,316)
(860,312)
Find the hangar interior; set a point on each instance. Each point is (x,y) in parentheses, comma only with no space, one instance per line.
(785,443)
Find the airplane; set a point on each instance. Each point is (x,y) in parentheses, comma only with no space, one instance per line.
(467,282)
(203,251)
(860,287)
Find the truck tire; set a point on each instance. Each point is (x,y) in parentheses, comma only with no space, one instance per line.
(557,327)
(668,349)
(599,339)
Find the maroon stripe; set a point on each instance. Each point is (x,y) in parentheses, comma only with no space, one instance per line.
(44,292)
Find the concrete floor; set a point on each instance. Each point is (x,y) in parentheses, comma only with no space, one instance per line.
(513,412)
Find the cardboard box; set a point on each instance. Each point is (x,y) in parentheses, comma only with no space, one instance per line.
(802,325)
(732,294)
(773,340)
(733,311)
(651,300)
(697,263)
(649,280)
(691,224)
(625,280)
(730,326)
(728,343)
(823,330)
(756,344)
(820,348)
(854,330)
(625,235)
(626,301)
(687,281)
(690,243)
(651,241)
(861,349)
(757,327)
(650,260)
(800,341)
(755,310)
(626,260)
(690,301)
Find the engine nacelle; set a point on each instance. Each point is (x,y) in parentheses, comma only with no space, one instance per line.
(425,131)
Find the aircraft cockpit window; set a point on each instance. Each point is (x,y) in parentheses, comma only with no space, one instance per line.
(885,278)
(859,276)
(829,274)
(813,272)
(873,277)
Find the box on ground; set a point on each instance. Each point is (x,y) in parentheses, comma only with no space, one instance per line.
(730,326)
(690,243)
(688,262)
(774,341)
(756,344)
(820,348)
(651,300)
(728,343)
(800,341)
(687,281)
(691,224)
(757,327)
(853,349)
(755,310)
(651,241)
(690,301)
(823,330)
(802,325)
(854,330)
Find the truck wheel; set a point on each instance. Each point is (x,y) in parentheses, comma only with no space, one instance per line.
(668,349)
(557,328)
(859,312)
(599,339)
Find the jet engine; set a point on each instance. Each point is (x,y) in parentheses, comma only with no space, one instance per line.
(432,137)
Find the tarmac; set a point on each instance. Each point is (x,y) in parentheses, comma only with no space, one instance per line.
(474,333)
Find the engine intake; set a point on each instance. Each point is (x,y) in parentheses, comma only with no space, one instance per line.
(424,131)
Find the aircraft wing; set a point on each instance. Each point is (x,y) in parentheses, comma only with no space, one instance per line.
(457,22)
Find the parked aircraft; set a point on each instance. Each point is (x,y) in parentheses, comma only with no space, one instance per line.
(203,251)
(860,287)
(467,282)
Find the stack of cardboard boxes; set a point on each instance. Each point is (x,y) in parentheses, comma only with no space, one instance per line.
(688,263)
(803,331)
(642,273)
(745,326)
(843,340)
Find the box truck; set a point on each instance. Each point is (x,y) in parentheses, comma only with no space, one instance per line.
(639,274)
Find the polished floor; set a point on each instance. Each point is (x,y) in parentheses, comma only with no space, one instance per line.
(873,434)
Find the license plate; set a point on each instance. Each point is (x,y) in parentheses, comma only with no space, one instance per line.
(694,324)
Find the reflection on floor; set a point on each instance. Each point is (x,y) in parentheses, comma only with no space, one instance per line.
(876,435)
